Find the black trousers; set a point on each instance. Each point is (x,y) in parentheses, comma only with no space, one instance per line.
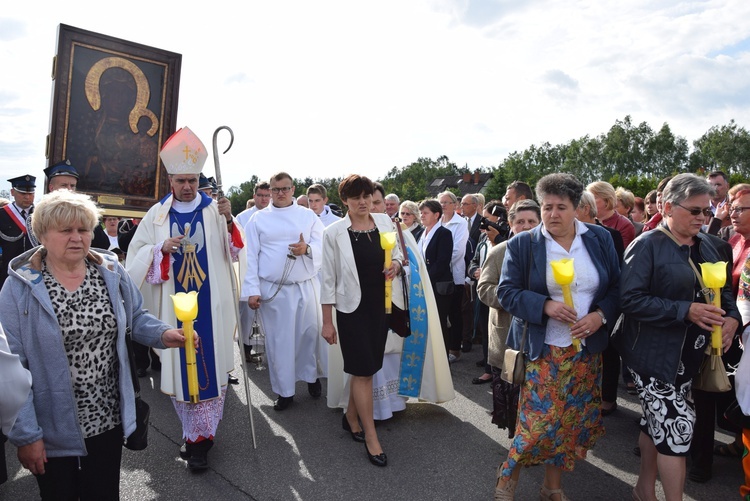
(709,411)
(610,373)
(467,310)
(444,306)
(456,318)
(95,477)
(481,328)
(3,466)
(145,357)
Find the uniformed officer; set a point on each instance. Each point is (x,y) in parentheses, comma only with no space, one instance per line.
(61,176)
(15,221)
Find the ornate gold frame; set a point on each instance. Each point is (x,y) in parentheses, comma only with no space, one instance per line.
(114,104)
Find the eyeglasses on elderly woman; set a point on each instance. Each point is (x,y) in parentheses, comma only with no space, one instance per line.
(697,211)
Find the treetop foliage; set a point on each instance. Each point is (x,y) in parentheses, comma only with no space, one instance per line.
(633,156)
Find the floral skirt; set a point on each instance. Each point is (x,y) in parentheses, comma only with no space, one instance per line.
(559,411)
(668,412)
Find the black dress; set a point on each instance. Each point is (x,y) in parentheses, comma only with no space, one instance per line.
(363,332)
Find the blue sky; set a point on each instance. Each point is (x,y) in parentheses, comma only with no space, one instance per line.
(327,88)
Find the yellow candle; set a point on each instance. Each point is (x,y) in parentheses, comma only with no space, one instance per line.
(388,242)
(186,310)
(715,277)
(563,272)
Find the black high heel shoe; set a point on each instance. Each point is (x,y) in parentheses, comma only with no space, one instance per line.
(358,436)
(378,460)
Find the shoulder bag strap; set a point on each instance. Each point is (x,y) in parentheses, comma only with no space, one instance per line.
(527,286)
(404,262)
(704,290)
(129,347)
(397,221)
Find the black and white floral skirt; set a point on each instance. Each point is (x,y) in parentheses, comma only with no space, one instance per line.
(668,412)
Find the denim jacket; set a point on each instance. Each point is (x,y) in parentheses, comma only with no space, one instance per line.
(34,334)
(527,304)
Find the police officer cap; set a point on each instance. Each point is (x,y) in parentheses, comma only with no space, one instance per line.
(61,169)
(204,183)
(24,184)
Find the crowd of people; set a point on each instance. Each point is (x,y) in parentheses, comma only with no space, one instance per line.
(373,301)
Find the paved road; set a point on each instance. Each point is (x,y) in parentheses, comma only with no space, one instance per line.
(435,452)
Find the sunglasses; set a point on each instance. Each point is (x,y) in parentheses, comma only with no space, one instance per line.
(696,211)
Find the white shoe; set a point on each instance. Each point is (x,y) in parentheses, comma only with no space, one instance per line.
(506,493)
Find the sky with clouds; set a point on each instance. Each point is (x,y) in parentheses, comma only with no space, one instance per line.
(327,88)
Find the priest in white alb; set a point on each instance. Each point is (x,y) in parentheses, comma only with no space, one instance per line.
(284,245)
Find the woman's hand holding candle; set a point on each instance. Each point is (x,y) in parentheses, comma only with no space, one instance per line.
(715,277)
(563,272)
(186,311)
(388,242)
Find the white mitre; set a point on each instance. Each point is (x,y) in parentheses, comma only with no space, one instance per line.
(183,153)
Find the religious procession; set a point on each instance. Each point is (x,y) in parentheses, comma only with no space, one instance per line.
(571,291)
(156,344)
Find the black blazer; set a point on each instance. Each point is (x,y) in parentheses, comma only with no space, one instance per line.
(474,232)
(438,254)
(417,231)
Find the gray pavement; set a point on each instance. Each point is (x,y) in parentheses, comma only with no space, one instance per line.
(435,452)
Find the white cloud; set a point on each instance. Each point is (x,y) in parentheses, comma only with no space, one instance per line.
(326,88)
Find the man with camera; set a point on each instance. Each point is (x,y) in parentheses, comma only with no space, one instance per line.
(494,228)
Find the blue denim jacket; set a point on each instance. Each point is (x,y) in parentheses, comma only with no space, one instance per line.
(527,305)
(33,332)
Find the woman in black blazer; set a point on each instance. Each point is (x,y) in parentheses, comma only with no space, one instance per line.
(436,245)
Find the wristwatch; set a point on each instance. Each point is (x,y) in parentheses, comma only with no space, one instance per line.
(601,314)
(308,251)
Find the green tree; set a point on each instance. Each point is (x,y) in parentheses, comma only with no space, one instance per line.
(582,158)
(725,148)
(411,182)
(239,195)
(624,149)
(666,154)
(628,155)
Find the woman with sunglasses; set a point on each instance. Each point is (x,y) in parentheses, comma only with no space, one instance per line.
(409,213)
(666,328)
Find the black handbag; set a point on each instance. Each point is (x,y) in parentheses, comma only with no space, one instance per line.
(400,321)
(138,440)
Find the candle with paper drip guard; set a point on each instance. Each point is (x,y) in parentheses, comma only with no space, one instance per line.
(388,242)
(715,277)
(563,272)
(186,310)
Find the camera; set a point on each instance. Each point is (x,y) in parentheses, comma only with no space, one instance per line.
(502,227)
